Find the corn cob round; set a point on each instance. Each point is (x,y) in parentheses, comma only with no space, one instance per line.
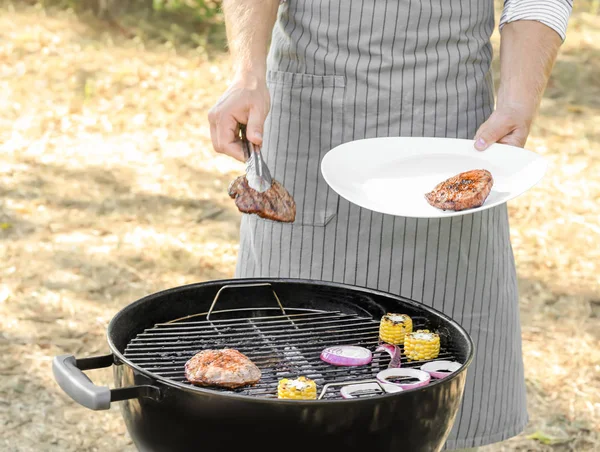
(301,388)
(421,344)
(393,328)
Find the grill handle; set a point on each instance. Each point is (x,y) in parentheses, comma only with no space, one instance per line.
(68,373)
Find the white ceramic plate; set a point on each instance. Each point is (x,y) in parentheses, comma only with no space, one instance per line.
(392,174)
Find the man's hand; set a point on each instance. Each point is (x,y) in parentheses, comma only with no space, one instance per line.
(246,101)
(528,50)
(506,125)
(249,24)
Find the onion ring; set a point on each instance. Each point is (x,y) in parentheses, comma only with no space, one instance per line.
(347,355)
(348,391)
(394,352)
(421,375)
(434,368)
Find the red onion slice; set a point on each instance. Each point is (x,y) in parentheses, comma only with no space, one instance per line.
(422,377)
(350,391)
(440,369)
(347,355)
(394,352)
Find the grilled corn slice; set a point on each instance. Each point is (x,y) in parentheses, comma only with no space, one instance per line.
(421,344)
(394,327)
(301,388)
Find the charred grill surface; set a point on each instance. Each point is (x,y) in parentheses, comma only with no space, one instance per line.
(281,346)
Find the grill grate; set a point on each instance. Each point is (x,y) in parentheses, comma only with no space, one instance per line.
(282,346)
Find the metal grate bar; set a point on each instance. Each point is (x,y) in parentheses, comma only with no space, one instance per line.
(254,354)
(324,368)
(239,339)
(243,332)
(255,351)
(272,327)
(295,317)
(265,361)
(280,345)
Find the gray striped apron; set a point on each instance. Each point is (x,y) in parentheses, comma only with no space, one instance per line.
(341,70)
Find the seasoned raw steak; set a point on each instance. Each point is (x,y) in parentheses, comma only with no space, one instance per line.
(464,191)
(274,204)
(227,368)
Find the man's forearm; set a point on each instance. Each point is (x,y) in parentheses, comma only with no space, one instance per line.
(528,50)
(249,24)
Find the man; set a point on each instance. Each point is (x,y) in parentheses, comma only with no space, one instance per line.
(341,70)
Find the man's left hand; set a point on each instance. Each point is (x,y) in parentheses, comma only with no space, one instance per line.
(507,125)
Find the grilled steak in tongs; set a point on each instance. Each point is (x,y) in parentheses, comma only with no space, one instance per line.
(464,191)
(257,193)
(274,204)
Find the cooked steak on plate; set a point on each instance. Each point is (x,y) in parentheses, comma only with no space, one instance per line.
(464,191)
(274,204)
(226,368)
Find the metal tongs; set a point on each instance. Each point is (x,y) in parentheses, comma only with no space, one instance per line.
(258,175)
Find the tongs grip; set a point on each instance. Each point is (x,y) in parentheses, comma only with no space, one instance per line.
(257,173)
(246,144)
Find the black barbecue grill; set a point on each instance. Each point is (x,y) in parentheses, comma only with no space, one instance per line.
(282,345)
(282,326)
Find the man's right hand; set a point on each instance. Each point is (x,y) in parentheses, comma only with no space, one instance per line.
(246,101)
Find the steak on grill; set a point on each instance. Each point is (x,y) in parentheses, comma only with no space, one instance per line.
(274,204)
(464,191)
(226,368)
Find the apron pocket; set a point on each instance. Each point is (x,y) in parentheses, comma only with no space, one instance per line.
(305,121)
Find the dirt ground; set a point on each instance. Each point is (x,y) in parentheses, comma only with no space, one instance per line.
(110,190)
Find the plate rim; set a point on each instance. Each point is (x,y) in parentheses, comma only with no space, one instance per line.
(441,213)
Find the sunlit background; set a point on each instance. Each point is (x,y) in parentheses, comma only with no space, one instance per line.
(110,190)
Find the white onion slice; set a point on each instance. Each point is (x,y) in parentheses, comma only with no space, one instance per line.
(347,355)
(394,352)
(437,369)
(422,376)
(349,390)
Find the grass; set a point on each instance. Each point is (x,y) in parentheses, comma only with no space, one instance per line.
(110,190)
